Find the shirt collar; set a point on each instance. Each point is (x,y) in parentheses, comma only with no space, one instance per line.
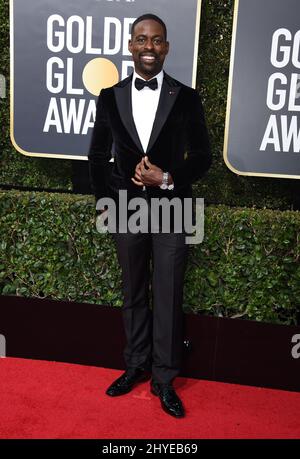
(159,77)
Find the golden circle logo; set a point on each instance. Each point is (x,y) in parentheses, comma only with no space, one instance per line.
(99,73)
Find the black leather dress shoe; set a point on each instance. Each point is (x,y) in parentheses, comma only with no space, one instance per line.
(127,381)
(170,401)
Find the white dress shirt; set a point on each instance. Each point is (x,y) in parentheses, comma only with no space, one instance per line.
(144,107)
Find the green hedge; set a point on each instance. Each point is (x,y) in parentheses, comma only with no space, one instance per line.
(248,265)
(220,185)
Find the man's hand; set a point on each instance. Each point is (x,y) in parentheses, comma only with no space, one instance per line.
(148,174)
(138,174)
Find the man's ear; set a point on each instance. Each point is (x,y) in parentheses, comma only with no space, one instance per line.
(130,46)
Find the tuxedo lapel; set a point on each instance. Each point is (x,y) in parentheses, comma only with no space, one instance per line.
(169,92)
(123,99)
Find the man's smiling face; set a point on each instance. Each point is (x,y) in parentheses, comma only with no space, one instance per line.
(149,48)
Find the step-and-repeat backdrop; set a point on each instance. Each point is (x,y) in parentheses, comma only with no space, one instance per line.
(262,135)
(64,52)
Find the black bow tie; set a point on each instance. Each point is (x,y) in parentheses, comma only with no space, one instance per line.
(140,84)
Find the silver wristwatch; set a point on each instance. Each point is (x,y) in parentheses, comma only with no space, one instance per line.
(165,179)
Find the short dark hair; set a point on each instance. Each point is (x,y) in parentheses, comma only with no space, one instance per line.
(153,17)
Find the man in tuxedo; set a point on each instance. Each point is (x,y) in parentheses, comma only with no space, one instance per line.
(155,126)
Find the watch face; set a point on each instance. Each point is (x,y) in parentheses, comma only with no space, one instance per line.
(163,186)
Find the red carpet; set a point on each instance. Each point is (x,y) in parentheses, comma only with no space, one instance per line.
(42,399)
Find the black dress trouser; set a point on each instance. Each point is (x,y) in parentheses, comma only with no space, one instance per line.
(154,338)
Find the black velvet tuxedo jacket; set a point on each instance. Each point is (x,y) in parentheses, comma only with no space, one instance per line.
(179,142)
